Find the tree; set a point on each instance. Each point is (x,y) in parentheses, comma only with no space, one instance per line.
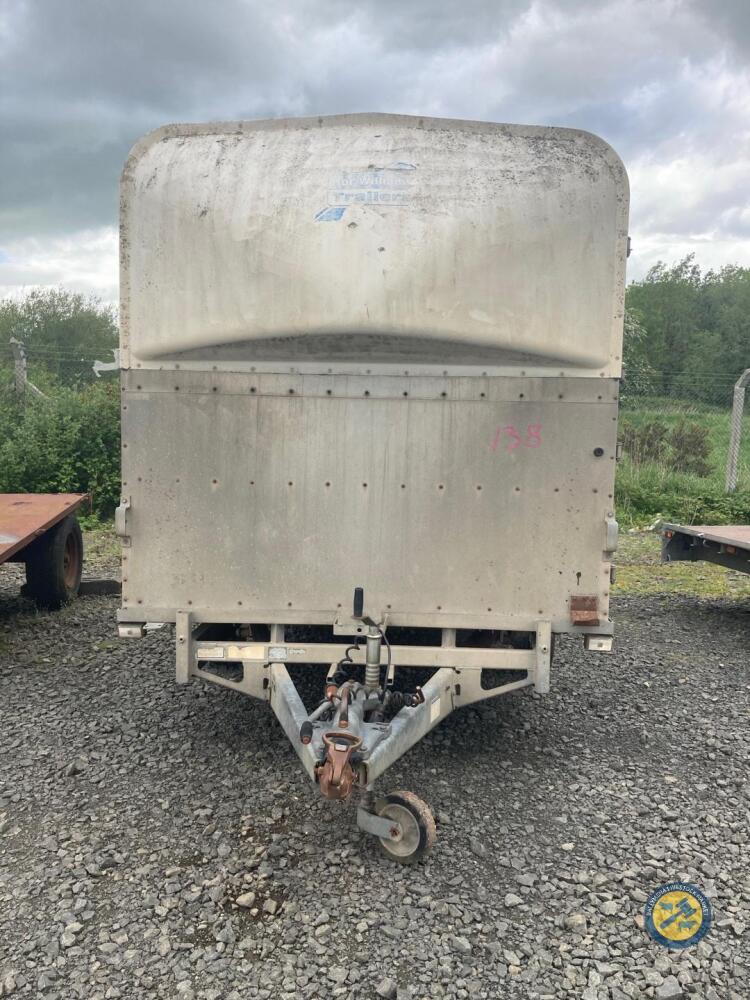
(697,327)
(665,303)
(638,377)
(727,297)
(64,332)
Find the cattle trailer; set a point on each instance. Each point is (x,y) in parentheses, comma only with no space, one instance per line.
(370,373)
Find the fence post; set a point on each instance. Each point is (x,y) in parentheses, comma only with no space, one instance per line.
(738,407)
(19,364)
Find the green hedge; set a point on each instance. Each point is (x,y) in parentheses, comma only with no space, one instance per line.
(68,442)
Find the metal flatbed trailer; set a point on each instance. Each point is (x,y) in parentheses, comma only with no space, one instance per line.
(726,545)
(41,530)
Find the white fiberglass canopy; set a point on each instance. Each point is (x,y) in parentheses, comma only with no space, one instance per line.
(373,239)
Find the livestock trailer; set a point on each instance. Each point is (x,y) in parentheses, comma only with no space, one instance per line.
(369,406)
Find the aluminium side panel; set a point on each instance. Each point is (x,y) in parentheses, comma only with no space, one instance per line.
(454,502)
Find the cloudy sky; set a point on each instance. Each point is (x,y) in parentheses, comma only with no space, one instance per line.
(665,81)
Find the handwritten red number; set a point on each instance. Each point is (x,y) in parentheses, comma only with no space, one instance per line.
(533,438)
(533,435)
(516,440)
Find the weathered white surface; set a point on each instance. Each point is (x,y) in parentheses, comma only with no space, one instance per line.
(381,238)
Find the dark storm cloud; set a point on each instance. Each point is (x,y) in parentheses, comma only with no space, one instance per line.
(426,26)
(80,81)
(731,18)
(664,80)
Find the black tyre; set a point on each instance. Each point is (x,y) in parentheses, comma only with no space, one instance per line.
(416,823)
(54,563)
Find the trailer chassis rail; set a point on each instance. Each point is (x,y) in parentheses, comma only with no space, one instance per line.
(727,546)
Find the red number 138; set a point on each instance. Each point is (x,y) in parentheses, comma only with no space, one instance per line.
(515,438)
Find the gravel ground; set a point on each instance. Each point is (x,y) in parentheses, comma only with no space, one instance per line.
(134,813)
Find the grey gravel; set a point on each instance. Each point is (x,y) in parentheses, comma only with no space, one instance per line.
(461,945)
(576,922)
(670,989)
(137,815)
(477,847)
(387,989)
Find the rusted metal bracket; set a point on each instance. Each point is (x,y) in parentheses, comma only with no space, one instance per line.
(336,775)
(584,610)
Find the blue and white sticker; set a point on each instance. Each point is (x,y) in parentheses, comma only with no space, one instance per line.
(332,214)
(389,186)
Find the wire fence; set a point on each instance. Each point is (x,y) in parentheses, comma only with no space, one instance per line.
(71,366)
(693,423)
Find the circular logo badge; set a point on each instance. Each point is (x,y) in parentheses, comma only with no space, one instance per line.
(677,915)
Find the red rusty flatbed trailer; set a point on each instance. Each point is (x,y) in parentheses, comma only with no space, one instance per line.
(41,530)
(25,516)
(726,545)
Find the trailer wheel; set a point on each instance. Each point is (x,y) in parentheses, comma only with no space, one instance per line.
(54,563)
(418,832)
